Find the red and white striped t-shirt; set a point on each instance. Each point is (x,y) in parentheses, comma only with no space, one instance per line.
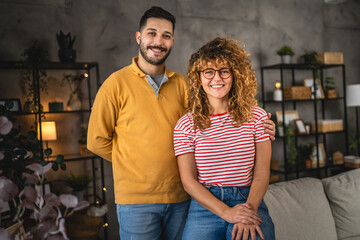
(224,154)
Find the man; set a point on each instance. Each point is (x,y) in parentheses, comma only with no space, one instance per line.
(131,125)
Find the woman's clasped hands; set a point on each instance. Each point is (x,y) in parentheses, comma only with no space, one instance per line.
(246,222)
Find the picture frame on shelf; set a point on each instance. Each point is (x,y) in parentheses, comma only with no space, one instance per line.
(16,104)
(322,156)
(290,116)
(300,126)
(319,93)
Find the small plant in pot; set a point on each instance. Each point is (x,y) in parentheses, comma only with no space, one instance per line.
(35,57)
(330,87)
(304,153)
(66,42)
(83,140)
(78,183)
(285,52)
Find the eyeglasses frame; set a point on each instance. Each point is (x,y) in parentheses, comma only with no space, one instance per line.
(202,71)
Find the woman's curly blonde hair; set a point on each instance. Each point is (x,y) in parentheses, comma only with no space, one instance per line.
(222,51)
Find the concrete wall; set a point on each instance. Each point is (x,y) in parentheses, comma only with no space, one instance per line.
(105,33)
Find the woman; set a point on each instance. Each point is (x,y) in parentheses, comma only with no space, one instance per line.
(222,150)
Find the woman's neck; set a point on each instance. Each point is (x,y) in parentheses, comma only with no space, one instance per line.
(218,107)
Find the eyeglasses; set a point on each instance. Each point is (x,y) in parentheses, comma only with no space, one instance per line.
(209,73)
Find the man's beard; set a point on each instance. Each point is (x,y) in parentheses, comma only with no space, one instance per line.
(150,60)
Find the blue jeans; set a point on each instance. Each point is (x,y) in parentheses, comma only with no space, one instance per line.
(152,221)
(203,224)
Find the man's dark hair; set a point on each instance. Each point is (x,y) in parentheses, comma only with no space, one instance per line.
(156,12)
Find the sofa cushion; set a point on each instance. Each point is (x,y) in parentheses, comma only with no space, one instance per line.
(300,210)
(343,192)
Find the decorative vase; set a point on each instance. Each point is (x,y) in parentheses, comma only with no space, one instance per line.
(286,59)
(74,102)
(67,55)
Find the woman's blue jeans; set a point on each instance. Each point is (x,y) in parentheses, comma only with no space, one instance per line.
(203,224)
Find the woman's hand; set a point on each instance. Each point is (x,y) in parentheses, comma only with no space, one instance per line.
(241,213)
(244,231)
(270,127)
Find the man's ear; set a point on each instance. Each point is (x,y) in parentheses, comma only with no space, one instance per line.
(137,37)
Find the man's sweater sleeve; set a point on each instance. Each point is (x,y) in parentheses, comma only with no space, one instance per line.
(102,124)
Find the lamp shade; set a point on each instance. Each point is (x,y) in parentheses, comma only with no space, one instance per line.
(353,95)
(48,131)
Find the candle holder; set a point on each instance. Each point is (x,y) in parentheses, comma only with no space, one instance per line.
(277,95)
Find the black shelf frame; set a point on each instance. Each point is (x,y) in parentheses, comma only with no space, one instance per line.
(305,67)
(88,67)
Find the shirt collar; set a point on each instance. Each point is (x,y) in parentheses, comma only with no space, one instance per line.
(168,73)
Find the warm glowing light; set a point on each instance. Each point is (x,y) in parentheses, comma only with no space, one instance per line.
(104,189)
(105,225)
(48,131)
(97,202)
(86,75)
(277,84)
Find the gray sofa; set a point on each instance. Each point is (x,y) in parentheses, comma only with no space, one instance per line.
(310,208)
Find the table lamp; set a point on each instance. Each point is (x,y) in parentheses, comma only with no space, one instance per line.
(48,131)
(353,100)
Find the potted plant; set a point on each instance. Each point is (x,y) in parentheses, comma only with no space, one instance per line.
(36,215)
(304,152)
(309,57)
(78,183)
(83,139)
(22,176)
(292,151)
(35,57)
(66,42)
(330,87)
(285,52)
(18,151)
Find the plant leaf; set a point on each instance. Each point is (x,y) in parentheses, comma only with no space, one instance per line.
(55,166)
(82,205)
(4,235)
(48,152)
(68,200)
(63,166)
(5,125)
(8,189)
(31,178)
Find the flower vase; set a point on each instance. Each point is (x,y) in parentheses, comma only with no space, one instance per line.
(74,102)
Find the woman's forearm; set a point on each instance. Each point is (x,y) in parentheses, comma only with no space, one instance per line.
(261,174)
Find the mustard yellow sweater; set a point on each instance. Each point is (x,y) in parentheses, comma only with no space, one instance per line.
(133,129)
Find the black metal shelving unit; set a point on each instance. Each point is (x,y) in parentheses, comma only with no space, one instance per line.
(89,68)
(284,105)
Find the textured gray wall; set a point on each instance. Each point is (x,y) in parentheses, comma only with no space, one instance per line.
(105,33)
